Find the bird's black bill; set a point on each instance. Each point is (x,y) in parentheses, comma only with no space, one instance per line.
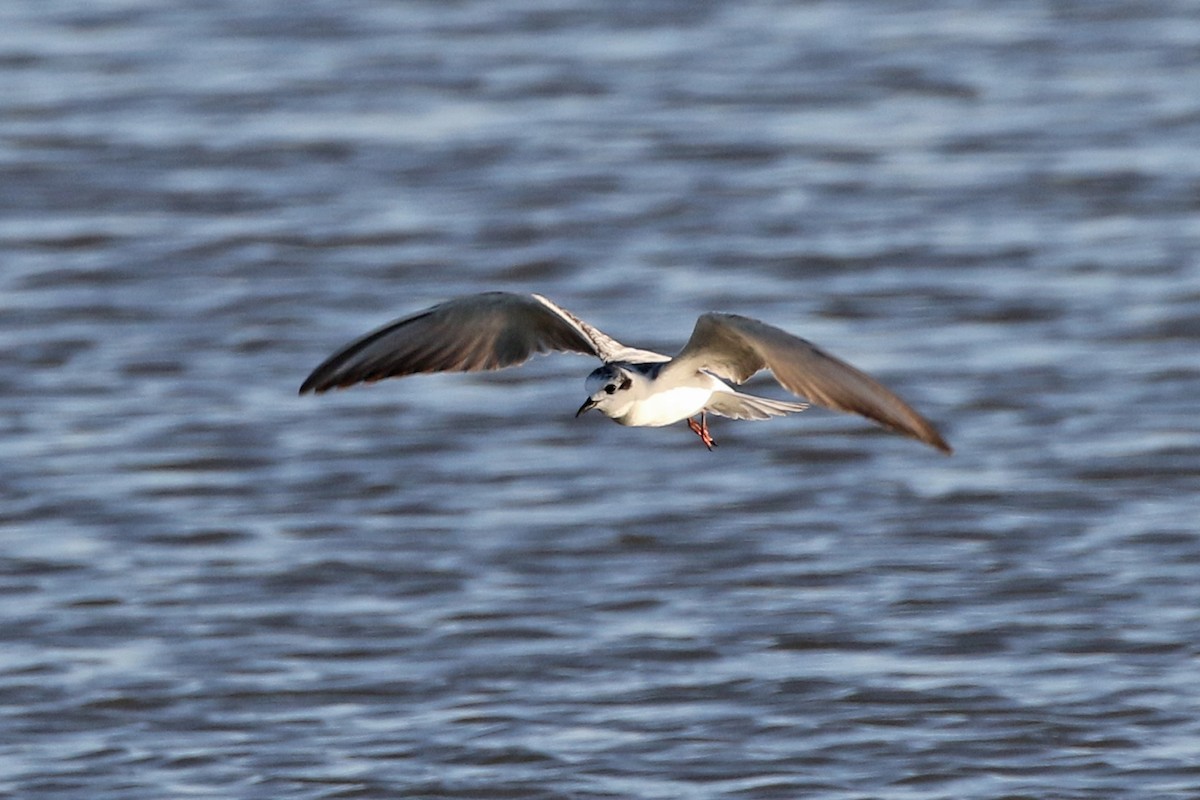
(587,405)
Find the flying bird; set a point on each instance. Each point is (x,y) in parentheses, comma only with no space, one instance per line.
(634,387)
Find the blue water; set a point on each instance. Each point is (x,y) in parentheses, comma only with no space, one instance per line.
(447,586)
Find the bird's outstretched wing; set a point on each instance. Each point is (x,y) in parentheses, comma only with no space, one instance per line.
(468,334)
(735,347)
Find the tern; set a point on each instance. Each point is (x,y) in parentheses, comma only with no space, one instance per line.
(634,387)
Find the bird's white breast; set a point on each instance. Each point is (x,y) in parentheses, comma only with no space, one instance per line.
(667,406)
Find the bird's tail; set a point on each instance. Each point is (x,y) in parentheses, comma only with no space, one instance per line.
(736,405)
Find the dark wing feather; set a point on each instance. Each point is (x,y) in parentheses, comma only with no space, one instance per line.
(468,334)
(735,347)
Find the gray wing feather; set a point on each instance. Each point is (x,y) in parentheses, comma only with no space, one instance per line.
(608,348)
(735,347)
(478,332)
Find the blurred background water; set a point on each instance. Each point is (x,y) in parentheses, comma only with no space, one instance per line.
(448,587)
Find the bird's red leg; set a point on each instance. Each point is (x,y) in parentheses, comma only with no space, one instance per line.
(701,429)
(705,436)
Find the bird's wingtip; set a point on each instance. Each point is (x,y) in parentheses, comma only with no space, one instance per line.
(310,385)
(940,444)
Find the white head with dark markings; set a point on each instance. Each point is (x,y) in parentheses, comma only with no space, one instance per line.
(609,391)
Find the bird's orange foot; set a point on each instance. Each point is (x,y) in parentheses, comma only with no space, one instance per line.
(701,429)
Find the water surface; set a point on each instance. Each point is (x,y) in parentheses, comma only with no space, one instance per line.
(448,587)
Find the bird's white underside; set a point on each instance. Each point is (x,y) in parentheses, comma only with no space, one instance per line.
(666,407)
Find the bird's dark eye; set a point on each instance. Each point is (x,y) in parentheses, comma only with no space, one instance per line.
(609,389)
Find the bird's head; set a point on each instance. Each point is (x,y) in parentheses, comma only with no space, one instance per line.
(609,389)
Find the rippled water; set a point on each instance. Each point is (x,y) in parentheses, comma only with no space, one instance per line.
(448,587)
